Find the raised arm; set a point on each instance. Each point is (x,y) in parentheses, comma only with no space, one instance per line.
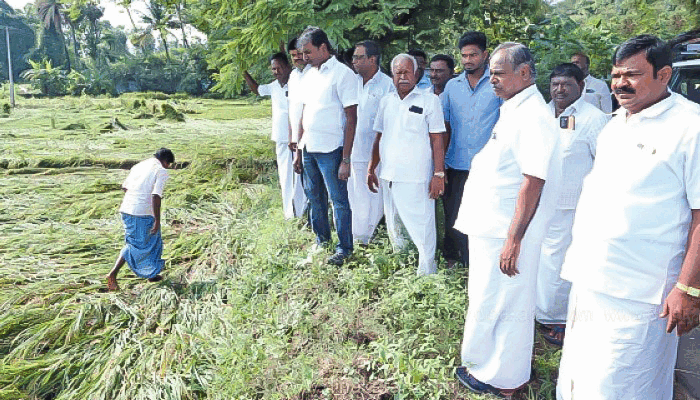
(252,84)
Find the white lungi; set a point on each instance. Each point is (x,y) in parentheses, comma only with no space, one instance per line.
(616,349)
(367,207)
(499,328)
(409,203)
(552,291)
(293,197)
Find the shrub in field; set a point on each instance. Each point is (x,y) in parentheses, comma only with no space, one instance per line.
(49,80)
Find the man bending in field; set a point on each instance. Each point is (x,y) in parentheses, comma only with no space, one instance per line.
(140,212)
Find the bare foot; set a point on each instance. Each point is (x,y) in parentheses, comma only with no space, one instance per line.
(112,285)
(156,278)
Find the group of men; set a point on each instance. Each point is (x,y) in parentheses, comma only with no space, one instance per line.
(511,171)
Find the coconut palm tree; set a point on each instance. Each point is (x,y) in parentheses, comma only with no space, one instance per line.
(50,12)
(160,19)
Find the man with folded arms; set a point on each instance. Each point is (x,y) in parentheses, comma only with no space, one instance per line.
(410,154)
(634,262)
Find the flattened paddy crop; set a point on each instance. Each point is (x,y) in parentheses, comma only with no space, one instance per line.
(237,315)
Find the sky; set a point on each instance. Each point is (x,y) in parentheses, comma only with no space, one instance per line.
(113,13)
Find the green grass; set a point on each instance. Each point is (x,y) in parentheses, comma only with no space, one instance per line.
(237,316)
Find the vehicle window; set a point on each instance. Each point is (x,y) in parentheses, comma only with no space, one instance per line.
(687,82)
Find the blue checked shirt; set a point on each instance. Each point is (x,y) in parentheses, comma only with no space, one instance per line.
(472,113)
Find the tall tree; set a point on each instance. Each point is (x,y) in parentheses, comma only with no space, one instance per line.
(50,12)
(159,19)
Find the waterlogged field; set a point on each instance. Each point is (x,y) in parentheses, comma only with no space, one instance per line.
(237,316)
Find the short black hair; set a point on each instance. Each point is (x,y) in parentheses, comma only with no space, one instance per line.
(372,49)
(447,59)
(281,57)
(164,154)
(657,52)
(585,57)
(418,53)
(316,36)
(568,70)
(474,37)
(292,45)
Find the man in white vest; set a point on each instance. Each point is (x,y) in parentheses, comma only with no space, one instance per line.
(596,91)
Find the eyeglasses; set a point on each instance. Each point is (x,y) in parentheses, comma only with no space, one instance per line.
(356,57)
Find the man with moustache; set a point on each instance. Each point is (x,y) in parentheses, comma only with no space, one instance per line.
(596,92)
(326,135)
(409,152)
(511,176)
(634,262)
(442,67)
(579,124)
(471,110)
(293,198)
(367,207)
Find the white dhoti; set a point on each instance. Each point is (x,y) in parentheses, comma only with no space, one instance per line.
(409,203)
(293,197)
(552,291)
(616,349)
(499,328)
(367,207)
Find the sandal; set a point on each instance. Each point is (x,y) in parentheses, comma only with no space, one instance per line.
(551,336)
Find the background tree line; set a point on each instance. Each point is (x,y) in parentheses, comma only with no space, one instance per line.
(66,46)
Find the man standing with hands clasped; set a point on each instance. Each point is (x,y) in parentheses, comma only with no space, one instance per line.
(512,177)
(410,154)
(634,262)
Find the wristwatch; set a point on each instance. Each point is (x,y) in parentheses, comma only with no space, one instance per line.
(690,291)
(440,174)
(346,160)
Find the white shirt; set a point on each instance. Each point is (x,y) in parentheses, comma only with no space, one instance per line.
(597,93)
(296,100)
(632,221)
(280,110)
(578,147)
(404,150)
(144,180)
(370,94)
(523,142)
(327,91)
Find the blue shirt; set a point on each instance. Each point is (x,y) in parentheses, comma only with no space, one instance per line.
(424,82)
(472,113)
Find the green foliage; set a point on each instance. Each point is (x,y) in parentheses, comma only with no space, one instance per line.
(22,39)
(243,33)
(48,79)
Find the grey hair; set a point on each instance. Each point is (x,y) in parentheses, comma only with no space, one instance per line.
(305,36)
(518,54)
(403,56)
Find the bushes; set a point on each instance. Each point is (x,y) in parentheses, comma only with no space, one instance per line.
(185,73)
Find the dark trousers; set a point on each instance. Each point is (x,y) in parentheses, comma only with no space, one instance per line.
(456,244)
